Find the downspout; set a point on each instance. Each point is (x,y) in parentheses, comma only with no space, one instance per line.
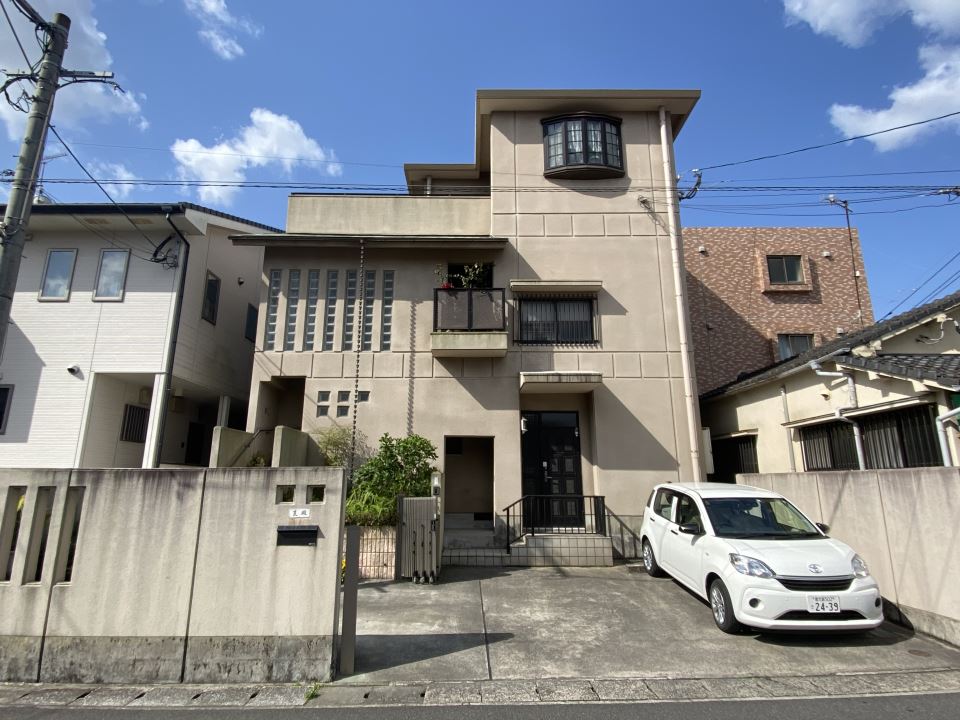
(679,281)
(173,330)
(851,405)
(788,431)
(942,433)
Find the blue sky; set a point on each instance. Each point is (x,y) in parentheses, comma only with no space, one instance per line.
(346,93)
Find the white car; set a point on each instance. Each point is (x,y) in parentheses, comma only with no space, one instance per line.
(756,559)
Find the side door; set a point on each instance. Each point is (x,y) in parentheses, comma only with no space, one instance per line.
(660,517)
(683,552)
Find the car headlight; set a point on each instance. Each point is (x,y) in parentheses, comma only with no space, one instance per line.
(750,566)
(860,568)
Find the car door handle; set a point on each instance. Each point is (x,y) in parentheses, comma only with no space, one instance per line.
(674,532)
(653,519)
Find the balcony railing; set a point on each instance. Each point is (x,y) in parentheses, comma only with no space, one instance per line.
(469,310)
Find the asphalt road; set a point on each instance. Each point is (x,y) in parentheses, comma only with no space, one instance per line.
(928,707)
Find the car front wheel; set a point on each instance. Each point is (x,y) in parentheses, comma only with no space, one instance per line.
(722,608)
(650,561)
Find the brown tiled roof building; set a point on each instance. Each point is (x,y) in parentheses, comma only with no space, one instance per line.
(760,295)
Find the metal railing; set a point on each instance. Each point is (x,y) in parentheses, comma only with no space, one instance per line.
(627,545)
(555,515)
(469,309)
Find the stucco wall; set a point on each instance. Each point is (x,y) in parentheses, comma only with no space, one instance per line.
(902,522)
(170,562)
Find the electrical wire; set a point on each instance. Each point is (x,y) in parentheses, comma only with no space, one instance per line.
(829,144)
(102,188)
(15,36)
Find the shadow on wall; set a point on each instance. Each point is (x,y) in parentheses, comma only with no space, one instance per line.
(25,382)
(622,440)
(725,344)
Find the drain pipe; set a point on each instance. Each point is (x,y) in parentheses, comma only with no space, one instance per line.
(679,281)
(183,255)
(942,432)
(788,431)
(851,405)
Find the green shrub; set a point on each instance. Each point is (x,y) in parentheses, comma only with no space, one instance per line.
(334,444)
(401,466)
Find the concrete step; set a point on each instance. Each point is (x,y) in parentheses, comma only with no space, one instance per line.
(465,521)
(467,538)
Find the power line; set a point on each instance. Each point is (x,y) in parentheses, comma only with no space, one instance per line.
(15,36)
(102,188)
(920,286)
(829,144)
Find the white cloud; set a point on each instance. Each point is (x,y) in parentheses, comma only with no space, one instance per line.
(105,171)
(937,93)
(853,22)
(78,105)
(219,27)
(269,139)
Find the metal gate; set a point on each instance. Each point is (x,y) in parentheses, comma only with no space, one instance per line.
(419,539)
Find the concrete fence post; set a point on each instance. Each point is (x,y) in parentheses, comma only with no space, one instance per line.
(348,633)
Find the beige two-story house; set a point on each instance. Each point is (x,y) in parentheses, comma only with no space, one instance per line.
(526,312)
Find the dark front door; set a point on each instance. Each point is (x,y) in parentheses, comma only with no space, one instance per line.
(551,470)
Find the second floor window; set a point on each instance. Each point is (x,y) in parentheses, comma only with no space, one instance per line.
(58,275)
(582,146)
(111,275)
(211,298)
(555,320)
(791,345)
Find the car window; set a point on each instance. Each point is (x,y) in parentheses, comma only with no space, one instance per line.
(663,502)
(687,511)
(757,517)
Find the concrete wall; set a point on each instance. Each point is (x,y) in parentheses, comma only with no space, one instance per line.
(902,522)
(377,215)
(236,448)
(177,576)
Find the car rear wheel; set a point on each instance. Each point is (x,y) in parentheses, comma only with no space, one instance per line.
(722,608)
(650,561)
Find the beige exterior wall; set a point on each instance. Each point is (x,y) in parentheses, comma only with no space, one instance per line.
(633,430)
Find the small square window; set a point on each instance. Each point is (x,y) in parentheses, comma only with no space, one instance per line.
(323,410)
(134,426)
(784,269)
(791,345)
(285,493)
(315,493)
(343,410)
(343,396)
(323,396)
(211,298)
(363,396)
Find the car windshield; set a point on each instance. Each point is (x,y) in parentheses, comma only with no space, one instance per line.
(757,518)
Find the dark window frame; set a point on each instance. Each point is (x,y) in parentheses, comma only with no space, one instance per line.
(5,406)
(519,332)
(609,165)
(789,338)
(135,423)
(783,262)
(252,313)
(207,312)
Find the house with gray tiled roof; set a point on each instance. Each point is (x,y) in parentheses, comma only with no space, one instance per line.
(883,397)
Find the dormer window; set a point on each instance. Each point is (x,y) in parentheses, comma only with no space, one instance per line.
(582,146)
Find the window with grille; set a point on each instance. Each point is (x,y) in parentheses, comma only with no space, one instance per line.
(211,299)
(350,310)
(273,304)
(330,310)
(732,456)
(829,446)
(134,426)
(582,146)
(904,438)
(386,311)
(784,269)
(555,320)
(313,297)
(293,305)
(791,345)
(369,295)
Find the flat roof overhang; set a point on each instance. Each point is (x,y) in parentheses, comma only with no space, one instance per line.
(398,242)
(558,381)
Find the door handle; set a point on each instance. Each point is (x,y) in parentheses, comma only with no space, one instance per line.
(674,532)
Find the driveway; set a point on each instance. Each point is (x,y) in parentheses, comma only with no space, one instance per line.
(522,623)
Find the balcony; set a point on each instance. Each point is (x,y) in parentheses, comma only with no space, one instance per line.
(469,322)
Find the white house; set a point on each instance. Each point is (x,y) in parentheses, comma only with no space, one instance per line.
(131,336)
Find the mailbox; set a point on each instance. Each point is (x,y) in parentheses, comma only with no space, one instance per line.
(297,534)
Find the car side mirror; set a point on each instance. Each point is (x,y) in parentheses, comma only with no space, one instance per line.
(824,527)
(690,529)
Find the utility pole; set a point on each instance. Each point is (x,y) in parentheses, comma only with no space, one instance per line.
(46,78)
(14,230)
(834,200)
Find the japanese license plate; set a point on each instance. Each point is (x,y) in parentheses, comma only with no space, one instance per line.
(823,603)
